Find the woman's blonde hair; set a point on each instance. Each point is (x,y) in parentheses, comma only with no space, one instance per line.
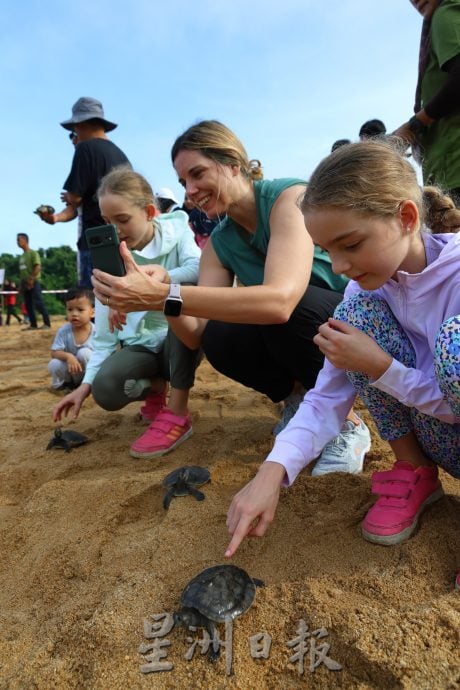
(441,214)
(131,185)
(368,177)
(217,142)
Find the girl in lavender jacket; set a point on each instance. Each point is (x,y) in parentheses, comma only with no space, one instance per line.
(394,340)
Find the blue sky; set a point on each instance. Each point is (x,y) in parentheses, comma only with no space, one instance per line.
(289,78)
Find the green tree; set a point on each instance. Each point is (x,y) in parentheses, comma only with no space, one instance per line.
(11,265)
(59,272)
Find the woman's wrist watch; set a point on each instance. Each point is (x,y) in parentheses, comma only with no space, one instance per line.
(173,302)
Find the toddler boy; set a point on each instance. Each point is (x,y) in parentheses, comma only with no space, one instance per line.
(73,344)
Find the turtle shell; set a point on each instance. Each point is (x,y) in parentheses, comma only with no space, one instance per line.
(66,439)
(44,208)
(75,438)
(220,593)
(193,475)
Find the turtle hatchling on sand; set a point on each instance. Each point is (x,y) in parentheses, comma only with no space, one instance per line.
(66,439)
(184,481)
(215,595)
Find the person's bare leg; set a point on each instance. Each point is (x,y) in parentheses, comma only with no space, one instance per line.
(178,401)
(158,385)
(298,389)
(353,417)
(405,448)
(408,448)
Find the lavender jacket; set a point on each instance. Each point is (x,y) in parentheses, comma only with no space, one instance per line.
(421,302)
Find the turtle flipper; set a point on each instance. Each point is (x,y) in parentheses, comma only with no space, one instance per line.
(167,499)
(257,582)
(214,647)
(199,495)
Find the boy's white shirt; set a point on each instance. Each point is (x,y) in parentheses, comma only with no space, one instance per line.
(65,339)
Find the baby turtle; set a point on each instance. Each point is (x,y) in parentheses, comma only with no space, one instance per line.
(44,209)
(217,594)
(184,481)
(66,439)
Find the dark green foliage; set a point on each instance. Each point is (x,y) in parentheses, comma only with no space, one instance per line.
(59,268)
(59,272)
(11,265)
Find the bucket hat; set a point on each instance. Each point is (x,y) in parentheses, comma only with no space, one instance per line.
(87,109)
(166,193)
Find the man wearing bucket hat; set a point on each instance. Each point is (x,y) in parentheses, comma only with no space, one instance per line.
(167,202)
(95,155)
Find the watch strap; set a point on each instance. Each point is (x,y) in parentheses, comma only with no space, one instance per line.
(174,290)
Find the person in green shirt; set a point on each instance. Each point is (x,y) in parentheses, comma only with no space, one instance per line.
(434,130)
(29,274)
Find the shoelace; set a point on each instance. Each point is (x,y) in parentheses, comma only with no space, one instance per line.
(338,443)
(335,446)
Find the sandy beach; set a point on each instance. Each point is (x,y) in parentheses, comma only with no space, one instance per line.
(88,553)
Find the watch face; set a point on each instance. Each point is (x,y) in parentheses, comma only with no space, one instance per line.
(173,307)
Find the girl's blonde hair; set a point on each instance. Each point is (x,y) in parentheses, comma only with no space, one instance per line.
(441,214)
(368,177)
(217,142)
(129,184)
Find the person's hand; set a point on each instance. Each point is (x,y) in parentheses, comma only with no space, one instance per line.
(346,347)
(71,403)
(46,213)
(73,364)
(157,272)
(49,218)
(136,291)
(117,320)
(253,508)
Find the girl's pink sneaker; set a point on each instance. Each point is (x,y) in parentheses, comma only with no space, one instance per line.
(403,493)
(166,432)
(152,405)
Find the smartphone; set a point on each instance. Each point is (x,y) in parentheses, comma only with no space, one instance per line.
(104,247)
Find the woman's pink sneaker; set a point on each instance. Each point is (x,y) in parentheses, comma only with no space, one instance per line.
(404,492)
(166,432)
(152,405)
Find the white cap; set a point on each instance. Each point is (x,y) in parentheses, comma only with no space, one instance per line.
(166,193)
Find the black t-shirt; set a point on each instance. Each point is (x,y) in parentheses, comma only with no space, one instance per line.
(92,160)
